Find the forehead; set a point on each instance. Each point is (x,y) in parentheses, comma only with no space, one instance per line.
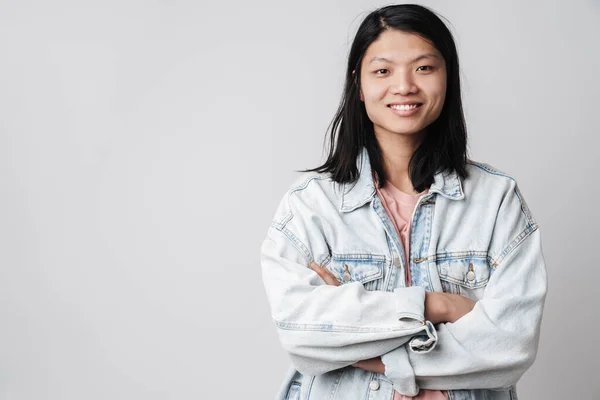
(399,46)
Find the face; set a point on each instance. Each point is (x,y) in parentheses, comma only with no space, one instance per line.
(403,83)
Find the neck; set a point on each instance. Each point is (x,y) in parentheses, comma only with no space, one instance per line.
(397,149)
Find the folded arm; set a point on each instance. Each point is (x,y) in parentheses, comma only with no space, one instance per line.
(494,344)
(326,327)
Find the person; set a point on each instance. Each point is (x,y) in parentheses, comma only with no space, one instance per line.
(400,267)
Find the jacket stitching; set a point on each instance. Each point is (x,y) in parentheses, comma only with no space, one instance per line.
(417,327)
(516,242)
(337,384)
(295,241)
(289,215)
(524,207)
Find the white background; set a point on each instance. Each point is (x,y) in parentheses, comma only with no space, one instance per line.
(144,146)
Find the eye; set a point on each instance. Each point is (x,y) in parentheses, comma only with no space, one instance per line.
(383,69)
(426,68)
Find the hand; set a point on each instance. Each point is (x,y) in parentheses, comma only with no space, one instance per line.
(436,307)
(324,274)
(371,365)
(458,306)
(446,307)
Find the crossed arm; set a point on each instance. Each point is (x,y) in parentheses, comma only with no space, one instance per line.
(439,308)
(482,345)
(324,328)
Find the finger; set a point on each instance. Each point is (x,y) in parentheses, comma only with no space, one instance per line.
(324,274)
(317,268)
(332,280)
(329,278)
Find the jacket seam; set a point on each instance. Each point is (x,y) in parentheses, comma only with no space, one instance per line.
(487,168)
(514,244)
(524,208)
(417,327)
(305,183)
(295,241)
(287,217)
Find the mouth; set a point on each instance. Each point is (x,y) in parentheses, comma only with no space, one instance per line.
(405,110)
(405,107)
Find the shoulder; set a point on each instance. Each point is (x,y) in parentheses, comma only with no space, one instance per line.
(307,195)
(500,193)
(500,190)
(310,182)
(493,181)
(484,171)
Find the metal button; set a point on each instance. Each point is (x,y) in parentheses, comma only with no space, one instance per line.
(396,261)
(347,275)
(471,275)
(374,385)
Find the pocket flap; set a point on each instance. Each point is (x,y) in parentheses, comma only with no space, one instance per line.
(356,268)
(469,272)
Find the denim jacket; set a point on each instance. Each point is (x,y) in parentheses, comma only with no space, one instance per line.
(475,237)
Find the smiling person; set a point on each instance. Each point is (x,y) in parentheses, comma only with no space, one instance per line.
(401,268)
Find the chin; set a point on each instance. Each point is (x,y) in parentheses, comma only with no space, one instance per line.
(412,130)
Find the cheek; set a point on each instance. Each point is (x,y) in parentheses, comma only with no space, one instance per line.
(443,93)
(373,101)
(441,87)
(373,91)
(437,93)
(374,95)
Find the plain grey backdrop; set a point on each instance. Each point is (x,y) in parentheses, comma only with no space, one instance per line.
(144,146)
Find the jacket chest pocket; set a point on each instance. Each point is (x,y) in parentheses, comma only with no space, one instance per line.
(364,268)
(465,276)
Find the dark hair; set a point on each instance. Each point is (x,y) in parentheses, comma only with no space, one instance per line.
(444,146)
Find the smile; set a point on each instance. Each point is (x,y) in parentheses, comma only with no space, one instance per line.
(405,110)
(405,106)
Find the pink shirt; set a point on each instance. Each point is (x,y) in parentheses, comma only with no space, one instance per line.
(400,206)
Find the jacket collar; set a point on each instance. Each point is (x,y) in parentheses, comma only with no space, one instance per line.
(361,191)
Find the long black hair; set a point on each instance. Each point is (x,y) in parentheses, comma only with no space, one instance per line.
(444,146)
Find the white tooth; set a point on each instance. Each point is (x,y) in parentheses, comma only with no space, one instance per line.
(404,107)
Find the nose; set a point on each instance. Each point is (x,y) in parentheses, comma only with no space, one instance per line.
(404,84)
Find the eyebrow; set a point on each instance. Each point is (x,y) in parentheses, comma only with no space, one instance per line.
(422,56)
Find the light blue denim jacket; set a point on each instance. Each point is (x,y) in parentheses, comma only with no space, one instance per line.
(475,237)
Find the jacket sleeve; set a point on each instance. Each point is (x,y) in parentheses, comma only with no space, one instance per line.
(325,327)
(494,344)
